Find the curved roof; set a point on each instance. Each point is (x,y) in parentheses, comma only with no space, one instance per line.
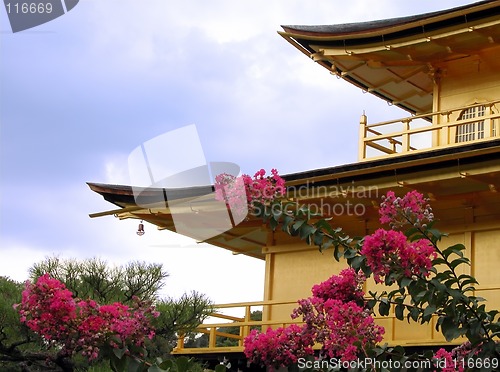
(396,59)
(430,172)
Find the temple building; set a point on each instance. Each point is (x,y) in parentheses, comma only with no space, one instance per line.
(443,68)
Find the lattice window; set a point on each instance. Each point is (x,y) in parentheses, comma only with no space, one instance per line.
(471,131)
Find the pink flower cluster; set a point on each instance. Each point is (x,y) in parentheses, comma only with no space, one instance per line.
(49,309)
(279,347)
(448,364)
(244,191)
(262,188)
(412,209)
(333,317)
(344,329)
(232,191)
(337,320)
(456,359)
(452,361)
(390,252)
(347,286)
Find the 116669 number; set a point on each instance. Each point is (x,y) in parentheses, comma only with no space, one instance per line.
(29,8)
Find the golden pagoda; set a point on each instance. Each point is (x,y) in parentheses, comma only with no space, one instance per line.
(443,68)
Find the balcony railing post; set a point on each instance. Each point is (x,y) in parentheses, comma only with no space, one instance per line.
(245,330)
(362,137)
(212,338)
(180,342)
(405,141)
(489,124)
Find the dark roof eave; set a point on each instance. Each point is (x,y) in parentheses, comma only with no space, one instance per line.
(361,29)
(436,158)
(487,150)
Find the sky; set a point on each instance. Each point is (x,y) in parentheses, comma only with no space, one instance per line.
(78,94)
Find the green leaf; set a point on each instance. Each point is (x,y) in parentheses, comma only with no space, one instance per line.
(436,234)
(399,312)
(167,364)
(457,249)
(370,304)
(326,244)
(287,220)
(273,224)
(356,262)
(411,231)
(405,282)
(318,238)
(383,308)
(414,313)
(306,230)
(456,294)
(119,352)
(438,261)
(117,364)
(182,364)
(277,213)
(429,310)
(297,224)
(450,330)
(220,368)
(135,365)
(458,261)
(467,279)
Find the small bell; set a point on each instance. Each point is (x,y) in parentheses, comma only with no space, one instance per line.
(140,229)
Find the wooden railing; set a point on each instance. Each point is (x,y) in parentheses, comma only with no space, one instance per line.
(219,320)
(245,325)
(387,141)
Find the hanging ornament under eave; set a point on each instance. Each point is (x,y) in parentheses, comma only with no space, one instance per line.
(140,229)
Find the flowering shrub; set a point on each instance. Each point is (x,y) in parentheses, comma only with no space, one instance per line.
(49,310)
(242,193)
(333,316)
(429,283)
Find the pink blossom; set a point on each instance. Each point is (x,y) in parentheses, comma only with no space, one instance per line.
(390,251)
(449,361)
(241,193)
(344,329)
(346,286)
(333,316)
(412,209)
(278,347)
(49,309)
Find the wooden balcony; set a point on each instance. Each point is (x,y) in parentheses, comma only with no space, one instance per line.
(221,319)
(446,128)
(396,332)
